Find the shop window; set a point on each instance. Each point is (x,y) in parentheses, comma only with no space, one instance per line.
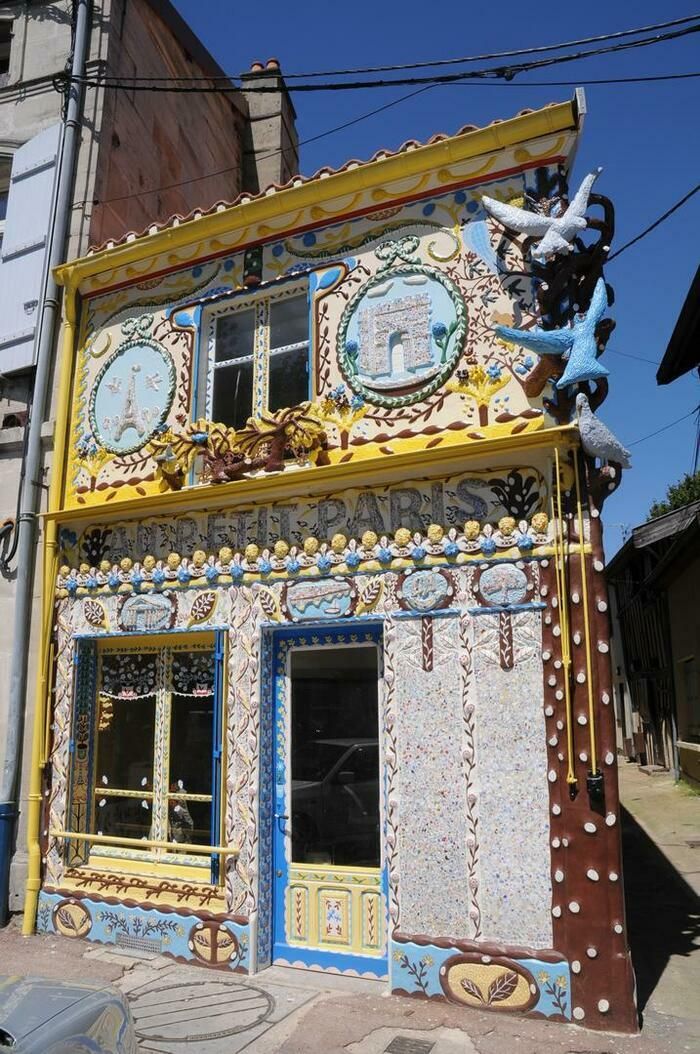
(258,358)
(5,45)
(147,753)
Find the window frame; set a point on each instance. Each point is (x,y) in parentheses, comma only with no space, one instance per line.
(5,183)
(260,301)
(7,21)
(84,789)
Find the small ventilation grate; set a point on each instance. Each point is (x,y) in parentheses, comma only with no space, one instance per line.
(407,1045)
(138,944)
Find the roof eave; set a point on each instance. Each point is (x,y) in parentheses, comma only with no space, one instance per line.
(549,120)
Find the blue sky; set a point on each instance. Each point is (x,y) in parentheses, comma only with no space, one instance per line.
(644,136)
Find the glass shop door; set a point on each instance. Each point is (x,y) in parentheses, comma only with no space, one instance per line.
(329,903)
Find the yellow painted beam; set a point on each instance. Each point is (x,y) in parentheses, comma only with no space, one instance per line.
(323,479)
(524,128)
(148,843)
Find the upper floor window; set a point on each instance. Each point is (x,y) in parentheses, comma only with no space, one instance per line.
(5,44)
(5,167)
(258,357)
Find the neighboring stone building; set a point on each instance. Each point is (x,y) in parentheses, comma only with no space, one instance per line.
(325,650)
(143,158)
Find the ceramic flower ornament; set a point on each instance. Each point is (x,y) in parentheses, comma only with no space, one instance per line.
(556,230)
(577,342)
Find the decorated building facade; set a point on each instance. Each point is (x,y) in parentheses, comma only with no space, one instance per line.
(325,674)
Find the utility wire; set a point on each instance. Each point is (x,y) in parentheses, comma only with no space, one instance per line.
(446,62)
(665,428)
(629,355)
(656,223)
(265,157)
(507,73)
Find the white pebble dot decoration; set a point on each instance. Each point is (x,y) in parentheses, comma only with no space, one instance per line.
(576,966)
(592,874)
(552,681)
(545,563)
(613,876)
(603,647)
(557,664)
(610,819)
(549,711)
(486,958)
(548,620)
(560,725)
(579,1013)
(590,828)
(543,591)
(606,698)
(609,758)
(591,952)
(553,740)
(555,602)
(558,876)
(602,606)
(565,842)
(582,719)
(556,911)
(583,756)
(560,756)
(556,631)
(574,907)
(555,843)
(603,1006)
(581,677)
(546,656)
(552,776)
(577,637)
(598,564)
(559,694)
(556,809)
(617,927)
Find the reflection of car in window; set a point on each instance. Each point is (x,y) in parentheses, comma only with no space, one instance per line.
(335,803)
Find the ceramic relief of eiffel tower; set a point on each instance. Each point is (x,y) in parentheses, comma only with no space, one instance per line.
(131,416)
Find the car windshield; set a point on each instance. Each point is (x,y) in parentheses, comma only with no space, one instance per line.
(316,760)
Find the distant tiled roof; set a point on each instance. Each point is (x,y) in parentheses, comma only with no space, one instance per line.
(299,180)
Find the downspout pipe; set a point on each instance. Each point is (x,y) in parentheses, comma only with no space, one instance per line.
(27,521)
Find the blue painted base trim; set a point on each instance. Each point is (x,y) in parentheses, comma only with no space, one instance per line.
(417,969)
(208,941)
(330,962)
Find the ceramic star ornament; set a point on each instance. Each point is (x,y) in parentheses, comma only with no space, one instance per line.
(556,231)
(596,438)
(577,341)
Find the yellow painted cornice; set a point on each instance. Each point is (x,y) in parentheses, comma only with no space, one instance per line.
(325,479)
(550,120)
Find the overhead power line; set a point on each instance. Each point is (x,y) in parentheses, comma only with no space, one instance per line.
(665,428)
(656,223)
(507,73)
(356,71)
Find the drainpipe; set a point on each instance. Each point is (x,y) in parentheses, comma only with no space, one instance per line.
(31,492)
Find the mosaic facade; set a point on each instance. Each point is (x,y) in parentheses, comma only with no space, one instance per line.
(430,500)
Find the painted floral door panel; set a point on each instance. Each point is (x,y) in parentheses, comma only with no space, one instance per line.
(329,903)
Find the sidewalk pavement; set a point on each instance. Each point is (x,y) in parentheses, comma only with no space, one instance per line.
(188,1010)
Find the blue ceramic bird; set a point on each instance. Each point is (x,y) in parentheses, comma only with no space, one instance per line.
(576,341)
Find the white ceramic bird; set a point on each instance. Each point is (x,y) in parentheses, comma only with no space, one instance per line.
(556,232)
(596,438)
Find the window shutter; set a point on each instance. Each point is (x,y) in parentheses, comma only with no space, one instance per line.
(217,752)
(24,246)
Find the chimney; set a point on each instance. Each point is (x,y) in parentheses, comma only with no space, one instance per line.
(271,144)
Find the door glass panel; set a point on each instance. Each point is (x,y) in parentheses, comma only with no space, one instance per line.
(335,757)
(126,722)
(191,747)
(123,816)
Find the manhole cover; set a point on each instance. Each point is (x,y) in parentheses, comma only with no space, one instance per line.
(199,1010)
(406,1045)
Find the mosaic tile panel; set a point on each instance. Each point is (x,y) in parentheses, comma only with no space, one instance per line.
(433,858)
(514,798)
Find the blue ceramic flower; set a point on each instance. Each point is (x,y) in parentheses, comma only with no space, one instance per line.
(183,575)
(200,437)
(71,585)
(113,580)
(384,555)
(293,565)
(353,559)
(357,402)
(439,330)
(488,546)
(525,541)
(418,552)
(236,572)
(136,579)
(351,347)
(158,576)
(211,573)
(451,548)
(324,564)
(264,567)
(494,372)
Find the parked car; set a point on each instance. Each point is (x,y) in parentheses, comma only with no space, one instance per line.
(42,1016)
